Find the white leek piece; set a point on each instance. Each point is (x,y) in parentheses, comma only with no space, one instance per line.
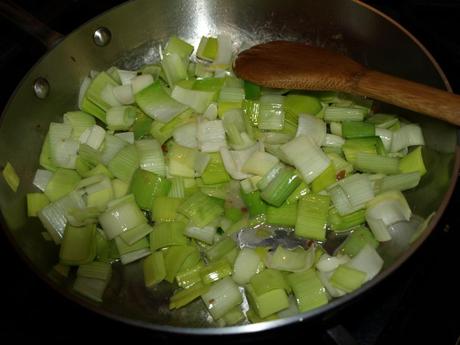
(234,161)
(367,260)
(120,118)
(306,156)
(185,135)
(312,127)
(385,210)
(108,96)
(174,67)
(224,52)
(327,263)
(211,135)
(140,82)
(408,135)
(211,112)
(126,136)
(93,137)
(41,179)
(120,218)
(63,149)
(352,193)
(221,297)
(126,76)
(271,115)
(246,266)
(386,136)
(205,234)
(124,94)
(111,146)
(331,140)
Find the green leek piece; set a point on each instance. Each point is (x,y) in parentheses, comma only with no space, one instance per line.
(413,162)
(268,303)
(251,110)
(342,167)
(133,252)
(156,103)
(207,49)
(121,117)
(187,277)
(91,108)
(175,257)
(201,209)
(312,216)
(252,316)
(251,91)
(308,290)
(284,215)
(371,163)
(400,182)
(268,280)
(95,270)
(326,179)
(347,278)
(222,297)
(192,260)
(215,271)
(185,296)
(35,202)
(281,187)
(99,169)
(45,155)
(301,104)
(167,234)
(174,68)
(177,46)
(78,245)
(125,163)
(232,255)
(95,90)
(181,161)
(233,316)
(146,185)
(61,269)
(61,183)
(356,240)
(106,251)
(215,170)
(120,188)
(298,193)
(341,114)
(237,226)
(357,129)
(269,176)
(220,249)
(89,155)
(164,208)
(11,177)
(121,215)
(80,121)
(340,223)
(142,125)
(353,146)
(91,288)
(233,213)
(271,113)
(135,234)
(291,260)
(254,203)
(381,120)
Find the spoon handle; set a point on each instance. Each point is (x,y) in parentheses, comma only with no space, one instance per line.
(439,104)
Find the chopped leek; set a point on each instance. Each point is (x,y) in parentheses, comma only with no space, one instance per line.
(11,177)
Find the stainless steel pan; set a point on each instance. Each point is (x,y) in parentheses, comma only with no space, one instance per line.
(136,31)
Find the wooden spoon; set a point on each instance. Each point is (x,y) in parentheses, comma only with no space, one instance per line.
(291,65)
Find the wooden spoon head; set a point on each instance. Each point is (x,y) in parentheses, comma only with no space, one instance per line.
(293,65)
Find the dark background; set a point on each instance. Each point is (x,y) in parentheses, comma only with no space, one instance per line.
(419,303)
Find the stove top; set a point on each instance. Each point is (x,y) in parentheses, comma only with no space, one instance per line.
(418,303)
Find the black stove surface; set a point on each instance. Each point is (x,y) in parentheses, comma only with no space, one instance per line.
(417,304)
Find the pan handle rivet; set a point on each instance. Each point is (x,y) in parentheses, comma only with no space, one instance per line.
(102,36)
(41,87)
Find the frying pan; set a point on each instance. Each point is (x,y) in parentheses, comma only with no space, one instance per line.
(136,30)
